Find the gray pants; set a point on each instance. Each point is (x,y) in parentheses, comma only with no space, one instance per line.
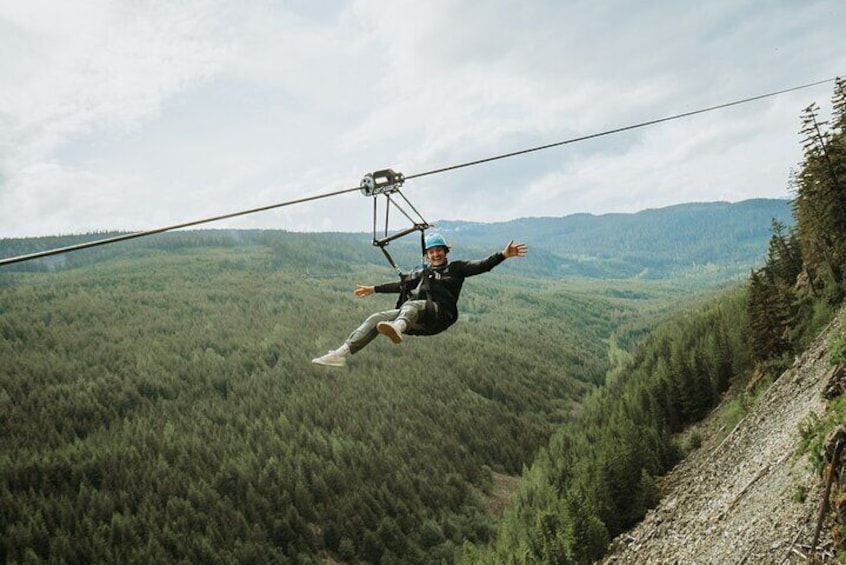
(410,311)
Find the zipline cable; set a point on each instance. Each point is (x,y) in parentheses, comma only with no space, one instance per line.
(124,237)
(616,130)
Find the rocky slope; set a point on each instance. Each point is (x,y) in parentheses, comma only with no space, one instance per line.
(749,497)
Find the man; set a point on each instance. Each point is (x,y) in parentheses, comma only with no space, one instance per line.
(428,301)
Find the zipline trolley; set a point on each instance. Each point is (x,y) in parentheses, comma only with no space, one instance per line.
(388,182)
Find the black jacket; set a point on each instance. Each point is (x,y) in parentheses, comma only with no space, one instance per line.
(440,287)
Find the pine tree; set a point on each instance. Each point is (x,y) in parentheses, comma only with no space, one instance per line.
(767,320)
(837,156)
(784,258)
(820,204)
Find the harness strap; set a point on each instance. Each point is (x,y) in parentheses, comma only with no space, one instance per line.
(390,259)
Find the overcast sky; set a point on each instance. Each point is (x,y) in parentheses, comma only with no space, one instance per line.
(138,114)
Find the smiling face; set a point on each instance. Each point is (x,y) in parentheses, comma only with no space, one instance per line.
(437,255)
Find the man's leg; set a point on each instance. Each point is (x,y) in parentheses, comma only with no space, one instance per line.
(392,323)
(358,339)
(366,332)
(407,317)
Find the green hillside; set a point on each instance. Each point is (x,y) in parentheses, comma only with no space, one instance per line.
(708,242)
(159,404)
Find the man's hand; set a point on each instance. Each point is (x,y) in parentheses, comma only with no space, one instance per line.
(361,290)
(514,249)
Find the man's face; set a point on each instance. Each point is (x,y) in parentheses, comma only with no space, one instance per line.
(437,256)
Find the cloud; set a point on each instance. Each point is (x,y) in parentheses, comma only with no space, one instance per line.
(105,71)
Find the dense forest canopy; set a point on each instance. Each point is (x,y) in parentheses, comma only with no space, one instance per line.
(160,405)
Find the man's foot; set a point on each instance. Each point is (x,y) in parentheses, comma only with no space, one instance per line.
(331,359)
(391,329)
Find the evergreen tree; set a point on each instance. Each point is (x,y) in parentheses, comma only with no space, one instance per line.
(766,319)
(820,203)
(784,257)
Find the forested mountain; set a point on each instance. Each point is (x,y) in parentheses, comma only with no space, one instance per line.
(705,243)
(711,241)
(158,402)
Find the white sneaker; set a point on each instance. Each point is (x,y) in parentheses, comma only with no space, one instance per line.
(391,329)
(331,359)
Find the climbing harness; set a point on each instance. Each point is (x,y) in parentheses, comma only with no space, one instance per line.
(387,182)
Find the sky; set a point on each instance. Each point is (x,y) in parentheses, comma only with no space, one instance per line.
(138,114)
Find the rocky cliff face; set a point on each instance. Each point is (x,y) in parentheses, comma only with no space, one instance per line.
(751,496)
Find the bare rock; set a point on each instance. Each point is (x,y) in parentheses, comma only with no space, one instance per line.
(835,382)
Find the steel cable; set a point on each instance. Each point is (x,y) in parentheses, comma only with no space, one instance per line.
(124,237)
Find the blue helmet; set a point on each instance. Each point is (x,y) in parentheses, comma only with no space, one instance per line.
(435,240)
